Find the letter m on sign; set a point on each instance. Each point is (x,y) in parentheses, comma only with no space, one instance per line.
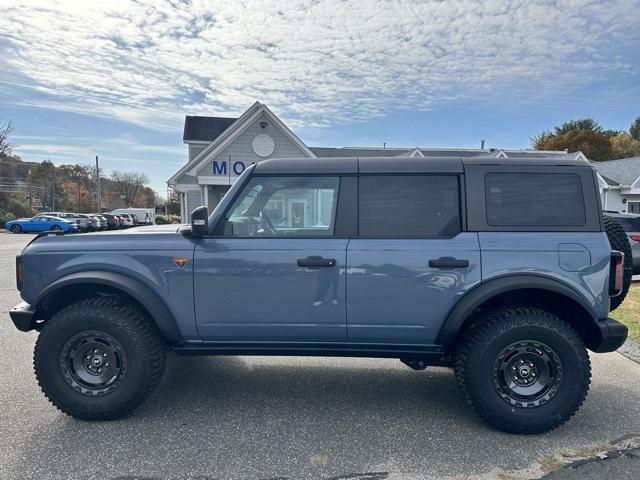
(219,169)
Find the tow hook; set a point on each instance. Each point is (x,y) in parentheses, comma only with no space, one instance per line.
(414,363)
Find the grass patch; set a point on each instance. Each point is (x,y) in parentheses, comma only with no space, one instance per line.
(629,312)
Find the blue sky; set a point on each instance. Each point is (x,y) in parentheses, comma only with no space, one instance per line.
(115,79)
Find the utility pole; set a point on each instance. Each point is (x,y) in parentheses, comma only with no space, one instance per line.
(99,196)
(166,205)
(30,195)
(53,191)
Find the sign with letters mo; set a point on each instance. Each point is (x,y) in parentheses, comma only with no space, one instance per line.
(226,168)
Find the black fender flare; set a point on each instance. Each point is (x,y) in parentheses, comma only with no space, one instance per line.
(151,301)
(485,291)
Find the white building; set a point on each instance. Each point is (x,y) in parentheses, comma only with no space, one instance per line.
(619,184)
(220,148)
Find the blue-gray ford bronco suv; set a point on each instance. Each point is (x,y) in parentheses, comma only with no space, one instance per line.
(505,270)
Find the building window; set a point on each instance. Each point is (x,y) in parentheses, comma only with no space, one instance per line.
(284,206)
(633,207)
(408,206)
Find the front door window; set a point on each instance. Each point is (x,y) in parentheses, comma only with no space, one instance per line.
(284,206)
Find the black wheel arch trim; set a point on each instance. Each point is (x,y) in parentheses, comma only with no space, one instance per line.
(491,288)
(151,301)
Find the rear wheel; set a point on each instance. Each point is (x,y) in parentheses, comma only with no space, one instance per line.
(98,359)
(56,228)
(620,242)
(523,370)
(16,228)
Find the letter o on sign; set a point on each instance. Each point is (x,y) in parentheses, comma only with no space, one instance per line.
(238,168)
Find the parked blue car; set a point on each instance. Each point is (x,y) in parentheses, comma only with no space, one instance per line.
(41,224)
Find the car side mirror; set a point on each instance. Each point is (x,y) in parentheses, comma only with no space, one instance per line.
(200,222)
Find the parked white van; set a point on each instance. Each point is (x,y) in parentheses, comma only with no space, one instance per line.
(144,216)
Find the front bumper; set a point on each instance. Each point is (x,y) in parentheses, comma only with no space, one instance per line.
(612,335)
(23,317)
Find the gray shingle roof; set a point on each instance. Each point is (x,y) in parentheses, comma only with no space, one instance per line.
(624,171)
(439,152)
(205,128)
(197,128)
(360,152)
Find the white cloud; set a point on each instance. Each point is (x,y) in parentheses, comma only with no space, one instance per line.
(149,62)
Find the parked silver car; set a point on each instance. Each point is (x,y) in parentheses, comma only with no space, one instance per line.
(86,222)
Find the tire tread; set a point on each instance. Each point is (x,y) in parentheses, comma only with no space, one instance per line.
(487,328)
(137,325)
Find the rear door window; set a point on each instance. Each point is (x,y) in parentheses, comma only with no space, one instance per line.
(406,206)
(534,199)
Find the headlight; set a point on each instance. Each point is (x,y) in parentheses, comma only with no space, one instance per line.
(19,272)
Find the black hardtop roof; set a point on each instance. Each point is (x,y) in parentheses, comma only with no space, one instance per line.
(345,165)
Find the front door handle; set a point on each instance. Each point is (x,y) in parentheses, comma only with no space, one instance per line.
(316,262)
(448,262)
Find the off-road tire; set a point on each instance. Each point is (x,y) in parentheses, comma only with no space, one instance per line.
(16,229)
(619,241)
(130,328)
(480,348)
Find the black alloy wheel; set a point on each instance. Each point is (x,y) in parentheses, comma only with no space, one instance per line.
(527,374)
(93,362)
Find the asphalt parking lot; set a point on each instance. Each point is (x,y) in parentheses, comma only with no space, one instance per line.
(259,418)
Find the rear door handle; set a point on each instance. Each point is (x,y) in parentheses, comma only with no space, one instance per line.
(316,262)
(448,262)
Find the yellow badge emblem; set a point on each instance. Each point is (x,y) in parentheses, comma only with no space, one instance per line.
(180,261)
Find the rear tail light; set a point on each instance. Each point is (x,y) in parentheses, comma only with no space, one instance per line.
(616,273)
(19,272)
(635,238)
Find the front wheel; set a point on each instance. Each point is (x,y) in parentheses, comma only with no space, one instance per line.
(523,370)
(16,228)
(98,359)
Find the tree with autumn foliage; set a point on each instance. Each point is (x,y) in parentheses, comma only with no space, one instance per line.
(584,135)
(589,137)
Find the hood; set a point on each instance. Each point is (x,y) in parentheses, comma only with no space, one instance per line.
(150,229)
(152,237)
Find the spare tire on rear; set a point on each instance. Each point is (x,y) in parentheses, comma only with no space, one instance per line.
(619,241)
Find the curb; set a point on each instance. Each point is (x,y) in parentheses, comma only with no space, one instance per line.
(631,350)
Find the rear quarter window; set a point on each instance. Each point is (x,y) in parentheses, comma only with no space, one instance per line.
(534,199)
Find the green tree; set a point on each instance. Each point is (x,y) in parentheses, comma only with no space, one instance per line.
(634,130)
(580,124)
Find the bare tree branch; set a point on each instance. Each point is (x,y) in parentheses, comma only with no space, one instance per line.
(129,184)
(5,131)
